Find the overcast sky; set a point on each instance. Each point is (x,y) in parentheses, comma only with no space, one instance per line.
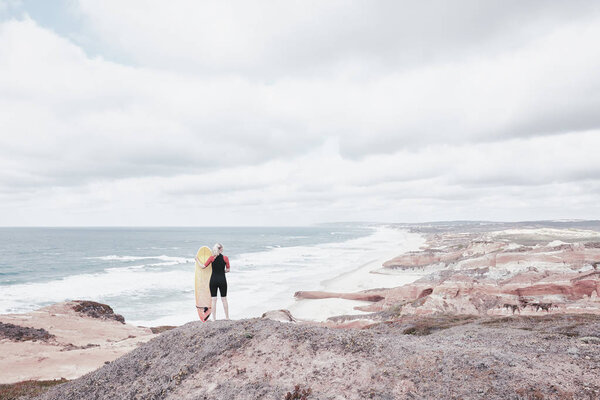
(297,112)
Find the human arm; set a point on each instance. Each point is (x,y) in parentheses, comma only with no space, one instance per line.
(226,263)
(210,260)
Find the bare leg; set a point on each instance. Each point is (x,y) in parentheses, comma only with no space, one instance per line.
(225,307)
(214,309)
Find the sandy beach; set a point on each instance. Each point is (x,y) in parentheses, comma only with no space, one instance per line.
(368,276)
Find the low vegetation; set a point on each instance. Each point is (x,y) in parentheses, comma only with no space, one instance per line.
(27,388)
(162,328)
(23,333)
(298,394)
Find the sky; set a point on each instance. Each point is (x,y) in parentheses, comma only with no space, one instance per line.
(233,113)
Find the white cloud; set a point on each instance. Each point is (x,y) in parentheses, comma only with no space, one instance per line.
(381,75)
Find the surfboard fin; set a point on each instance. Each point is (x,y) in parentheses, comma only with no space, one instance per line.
(205,313)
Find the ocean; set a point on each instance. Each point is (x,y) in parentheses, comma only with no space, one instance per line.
(147,274)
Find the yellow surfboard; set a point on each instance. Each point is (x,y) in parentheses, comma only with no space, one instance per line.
(203,300)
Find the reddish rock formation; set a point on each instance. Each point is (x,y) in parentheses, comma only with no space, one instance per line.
(488,275)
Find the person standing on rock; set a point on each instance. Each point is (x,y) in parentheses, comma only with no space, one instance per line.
(218,281)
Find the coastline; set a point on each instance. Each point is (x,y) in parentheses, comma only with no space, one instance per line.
(68,356)
(368,276)
(493,285)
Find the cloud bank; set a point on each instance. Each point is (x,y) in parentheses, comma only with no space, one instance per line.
(270,113)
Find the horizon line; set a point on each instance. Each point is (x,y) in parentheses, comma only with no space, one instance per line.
(565,220)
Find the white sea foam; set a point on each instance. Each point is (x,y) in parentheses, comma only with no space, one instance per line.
(119,284)
(175,260)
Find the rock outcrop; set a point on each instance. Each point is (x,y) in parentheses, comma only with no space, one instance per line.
(96,310)
(279,315)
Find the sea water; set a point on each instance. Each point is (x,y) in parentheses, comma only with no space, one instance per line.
(147,274)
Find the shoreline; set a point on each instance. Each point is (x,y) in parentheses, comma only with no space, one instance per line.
(364,277)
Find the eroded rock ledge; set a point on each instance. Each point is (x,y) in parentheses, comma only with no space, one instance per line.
(64,340)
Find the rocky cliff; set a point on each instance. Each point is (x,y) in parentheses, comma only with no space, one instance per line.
(437,357)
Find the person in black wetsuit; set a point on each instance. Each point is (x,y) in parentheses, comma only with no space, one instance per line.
(220,265)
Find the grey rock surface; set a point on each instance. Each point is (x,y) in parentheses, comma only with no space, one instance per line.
(261,358)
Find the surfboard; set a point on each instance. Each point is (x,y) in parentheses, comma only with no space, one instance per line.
(201,284)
